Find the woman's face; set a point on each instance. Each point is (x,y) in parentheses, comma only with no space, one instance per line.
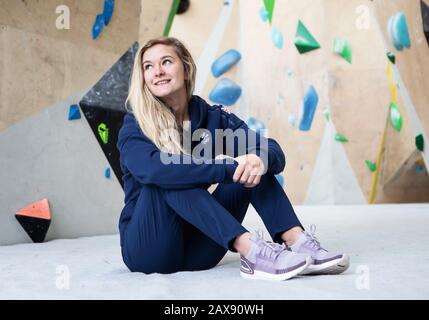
(163,71)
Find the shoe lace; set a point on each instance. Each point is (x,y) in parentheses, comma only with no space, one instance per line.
(269,249)
(312,240)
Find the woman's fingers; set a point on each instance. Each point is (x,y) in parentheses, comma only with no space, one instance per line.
(238,172)
(257,180)
(245,176)
(251,179)
(247,172)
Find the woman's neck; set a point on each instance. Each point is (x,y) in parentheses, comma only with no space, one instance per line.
(179,106)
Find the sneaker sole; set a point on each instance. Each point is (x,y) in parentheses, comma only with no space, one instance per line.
(261,275)
(336,266)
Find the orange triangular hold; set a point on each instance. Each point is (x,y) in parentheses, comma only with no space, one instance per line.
(38,209)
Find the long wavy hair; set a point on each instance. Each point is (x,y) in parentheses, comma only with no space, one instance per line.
(155,118)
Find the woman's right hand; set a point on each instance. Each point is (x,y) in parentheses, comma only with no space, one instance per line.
(249,171)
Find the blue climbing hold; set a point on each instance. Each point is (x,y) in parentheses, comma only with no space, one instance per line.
(291,119)
(308,109)
(108,10)
(263,13)
(107,172)
(420,169)
(280,179)
(277,37)
(226,92)
(98,26)
(256,125)
(397,31)
(224,62)
(74,112)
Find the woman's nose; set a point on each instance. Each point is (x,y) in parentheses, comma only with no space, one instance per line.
(159,70)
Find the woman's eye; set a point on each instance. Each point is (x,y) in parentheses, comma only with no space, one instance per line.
(147,66)
(166,61)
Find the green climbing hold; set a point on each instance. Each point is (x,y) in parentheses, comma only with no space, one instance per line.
(395,117)
(304,41)
(391,57)
(326,114)
(103,131)
(420,142)
(371,165)
(340,138)
(342,47)
(269,6)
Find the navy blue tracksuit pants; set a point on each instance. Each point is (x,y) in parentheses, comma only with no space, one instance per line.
(191,229)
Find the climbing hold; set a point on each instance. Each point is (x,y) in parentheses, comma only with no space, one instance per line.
(74,112)
(326,114)
(255,125)
(225,62)
(395,117)
(341,138)
(103,132)
(269,6)
(291,119)
(35,219)
(397,31)
(420,142)
(304,41)
(277,37)
(98,26)
(107,172)
(425,18)
(308,108)
(391,57)
(342,47)
(420,169)
(108,10)
(263,13)
(280,179)
(371,165)
(226,92)
(184,6)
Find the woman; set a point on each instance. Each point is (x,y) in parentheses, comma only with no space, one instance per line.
(170,221)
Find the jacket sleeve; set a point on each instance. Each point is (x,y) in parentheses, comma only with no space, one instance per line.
(266,148)
(170,171)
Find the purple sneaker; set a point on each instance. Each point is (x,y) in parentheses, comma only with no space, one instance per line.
(271,261)
(324,262)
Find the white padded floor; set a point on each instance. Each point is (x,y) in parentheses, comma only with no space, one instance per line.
(388,246)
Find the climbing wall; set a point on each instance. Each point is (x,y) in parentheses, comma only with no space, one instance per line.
(334,52)
(315,73)
(61,106)
(405,162)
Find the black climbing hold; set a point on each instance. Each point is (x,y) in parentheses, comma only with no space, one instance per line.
(105,103)
(183,6)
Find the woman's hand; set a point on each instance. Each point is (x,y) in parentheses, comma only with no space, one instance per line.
(249,171)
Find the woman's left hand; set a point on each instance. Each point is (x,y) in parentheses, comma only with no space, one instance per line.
(249,171)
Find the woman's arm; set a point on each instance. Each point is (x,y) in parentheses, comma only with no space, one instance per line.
(173,171)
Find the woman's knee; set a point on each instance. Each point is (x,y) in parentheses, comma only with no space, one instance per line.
(148,263)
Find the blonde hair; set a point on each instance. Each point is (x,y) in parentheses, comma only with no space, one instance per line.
(154,117)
